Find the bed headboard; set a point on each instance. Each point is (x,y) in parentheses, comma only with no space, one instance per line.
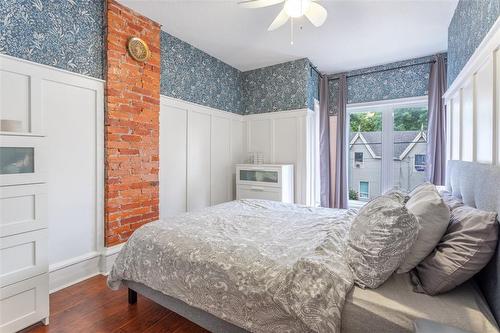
(478,185)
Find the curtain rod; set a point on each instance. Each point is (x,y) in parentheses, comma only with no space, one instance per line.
(387,69)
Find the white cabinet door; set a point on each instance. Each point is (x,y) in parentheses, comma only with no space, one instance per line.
(198,157)
(173,163)
(221,160)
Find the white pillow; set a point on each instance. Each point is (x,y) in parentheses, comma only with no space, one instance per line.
(380,237)
(433,217)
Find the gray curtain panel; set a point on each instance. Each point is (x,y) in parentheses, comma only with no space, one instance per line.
(341,189)
(436,129)
(324,143)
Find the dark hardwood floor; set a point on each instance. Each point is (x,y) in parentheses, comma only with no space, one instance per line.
(90,306)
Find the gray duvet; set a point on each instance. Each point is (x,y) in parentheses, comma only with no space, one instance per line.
(261,265)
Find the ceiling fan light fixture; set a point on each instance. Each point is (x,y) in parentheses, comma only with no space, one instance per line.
(297,8)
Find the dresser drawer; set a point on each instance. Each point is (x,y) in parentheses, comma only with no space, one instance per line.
(23,256)
(22,160)
(259,176)
(259,192)
(24,303)
(22,208)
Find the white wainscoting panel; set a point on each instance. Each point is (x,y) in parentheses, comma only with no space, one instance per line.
(198,156)
(220,160)
(456,121)
(259,131)
(283,139)
(484,112)
(468,146)
(473,101)
(70,119)
(237,139)
(173,160)
(199,148)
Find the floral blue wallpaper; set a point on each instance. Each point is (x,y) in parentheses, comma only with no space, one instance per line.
(312,87)
(276,88)
(190,74)
(64,34)
(409,81)
(470,23)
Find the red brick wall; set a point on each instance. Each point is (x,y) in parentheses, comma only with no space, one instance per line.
(131,125)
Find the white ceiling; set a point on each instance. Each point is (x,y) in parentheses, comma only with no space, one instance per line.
(356,34)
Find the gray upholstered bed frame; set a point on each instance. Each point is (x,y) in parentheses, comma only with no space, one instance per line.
(478,185)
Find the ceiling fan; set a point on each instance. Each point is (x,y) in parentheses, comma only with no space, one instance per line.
(292,9)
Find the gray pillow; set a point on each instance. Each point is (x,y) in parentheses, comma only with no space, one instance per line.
(380,237)
(433,217)
(467,246)
(451,201)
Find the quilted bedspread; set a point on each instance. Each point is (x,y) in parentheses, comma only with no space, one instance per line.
(261,265)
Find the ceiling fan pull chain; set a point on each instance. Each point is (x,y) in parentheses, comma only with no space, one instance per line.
(291,31)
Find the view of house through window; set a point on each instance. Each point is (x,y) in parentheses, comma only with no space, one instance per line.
(387,148)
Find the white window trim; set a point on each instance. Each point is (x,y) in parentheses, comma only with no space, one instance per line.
(359,189)
(386,107)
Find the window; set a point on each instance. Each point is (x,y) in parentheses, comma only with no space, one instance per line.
(364,190)
(420,161)
(389,138)
(358,157)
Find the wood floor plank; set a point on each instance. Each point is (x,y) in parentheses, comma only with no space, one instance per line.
(90,306)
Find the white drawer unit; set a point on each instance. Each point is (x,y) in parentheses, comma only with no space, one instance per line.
(265,181)
(24,269)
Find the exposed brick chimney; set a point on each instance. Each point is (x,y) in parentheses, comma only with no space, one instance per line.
(132,125)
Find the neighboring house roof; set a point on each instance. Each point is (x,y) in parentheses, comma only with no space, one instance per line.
(404,142)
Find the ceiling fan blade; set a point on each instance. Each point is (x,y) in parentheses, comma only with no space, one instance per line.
(316,14)
(281,19)
(258,3)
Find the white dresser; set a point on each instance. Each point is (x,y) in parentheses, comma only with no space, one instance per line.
(24,278)
(265,181)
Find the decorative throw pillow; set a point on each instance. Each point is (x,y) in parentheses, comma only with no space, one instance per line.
(380,237)
(433,217)
(467,246)
(398,195)
(422,187)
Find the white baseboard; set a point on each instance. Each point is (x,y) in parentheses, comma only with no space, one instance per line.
(108,257)
(66,273)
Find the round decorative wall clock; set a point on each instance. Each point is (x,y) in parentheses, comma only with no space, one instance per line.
(138,49)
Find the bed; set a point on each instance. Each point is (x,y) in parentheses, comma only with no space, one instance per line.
(236,285)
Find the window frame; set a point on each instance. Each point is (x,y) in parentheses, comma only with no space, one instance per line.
(362,157)
(420,165)
(386,107)
(368,189)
